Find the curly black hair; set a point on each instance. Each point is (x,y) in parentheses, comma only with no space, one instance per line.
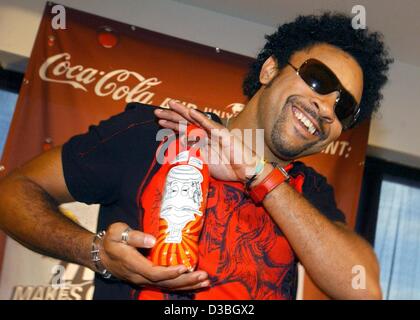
(335,29)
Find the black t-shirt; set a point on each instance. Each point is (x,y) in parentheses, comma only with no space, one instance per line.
(107,165)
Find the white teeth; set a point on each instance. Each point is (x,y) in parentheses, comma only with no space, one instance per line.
(312,130)
(308,124)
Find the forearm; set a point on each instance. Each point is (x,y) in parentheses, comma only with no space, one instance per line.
(327,251)
(31,216)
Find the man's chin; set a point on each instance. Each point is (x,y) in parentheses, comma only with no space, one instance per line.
(291,154)
(287,154)
(289,146)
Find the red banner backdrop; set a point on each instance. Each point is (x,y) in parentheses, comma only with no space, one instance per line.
(90,70)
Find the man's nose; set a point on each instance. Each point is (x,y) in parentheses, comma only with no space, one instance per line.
(326,105)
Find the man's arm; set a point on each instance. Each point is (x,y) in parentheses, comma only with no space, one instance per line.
(327,250)
(29,197)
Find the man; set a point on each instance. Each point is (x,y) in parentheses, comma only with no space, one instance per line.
(314,78)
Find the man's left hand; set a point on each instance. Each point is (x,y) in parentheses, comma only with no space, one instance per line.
(229,158)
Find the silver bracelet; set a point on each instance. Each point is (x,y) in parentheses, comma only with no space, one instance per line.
(96,258)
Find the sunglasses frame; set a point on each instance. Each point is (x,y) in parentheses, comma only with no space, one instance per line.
(340,88)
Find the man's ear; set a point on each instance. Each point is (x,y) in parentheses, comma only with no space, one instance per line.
(268,70)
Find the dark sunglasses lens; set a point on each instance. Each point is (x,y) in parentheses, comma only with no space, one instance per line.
(345,108)
(318,77)
(322,80)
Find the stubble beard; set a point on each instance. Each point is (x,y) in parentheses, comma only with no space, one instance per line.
(284,148)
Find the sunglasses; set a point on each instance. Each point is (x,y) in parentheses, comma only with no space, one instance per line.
(322,80)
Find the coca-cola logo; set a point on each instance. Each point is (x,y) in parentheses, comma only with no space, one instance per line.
(58,69)
(118,84)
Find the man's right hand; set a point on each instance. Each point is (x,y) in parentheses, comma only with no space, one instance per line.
(29,213)
(126,263)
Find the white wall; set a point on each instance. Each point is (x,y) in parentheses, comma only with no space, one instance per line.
(395,131)
(397,125)
(19,21)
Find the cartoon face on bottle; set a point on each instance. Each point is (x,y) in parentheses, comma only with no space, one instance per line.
(181,200)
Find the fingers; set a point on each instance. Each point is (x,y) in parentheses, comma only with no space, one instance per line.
(166,277)
(171,118)
(127,263)
(157,274)
(140,239)
(203,121)
(181,110)
(186,281)
(169,115)
(131,259)
(136,238)
(198,286)
(177,113)
(169,124)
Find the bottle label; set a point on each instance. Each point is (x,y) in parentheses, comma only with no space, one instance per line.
(182,200)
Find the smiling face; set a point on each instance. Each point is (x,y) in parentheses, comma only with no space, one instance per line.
(297,120)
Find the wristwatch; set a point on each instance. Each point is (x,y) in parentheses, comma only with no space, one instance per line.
(276,177)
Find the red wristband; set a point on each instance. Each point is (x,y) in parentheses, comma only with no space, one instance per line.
(276,177)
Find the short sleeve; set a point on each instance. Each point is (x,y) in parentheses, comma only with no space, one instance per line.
(320,194)
(94,162)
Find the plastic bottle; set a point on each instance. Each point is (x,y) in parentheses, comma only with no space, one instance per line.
(182,205)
